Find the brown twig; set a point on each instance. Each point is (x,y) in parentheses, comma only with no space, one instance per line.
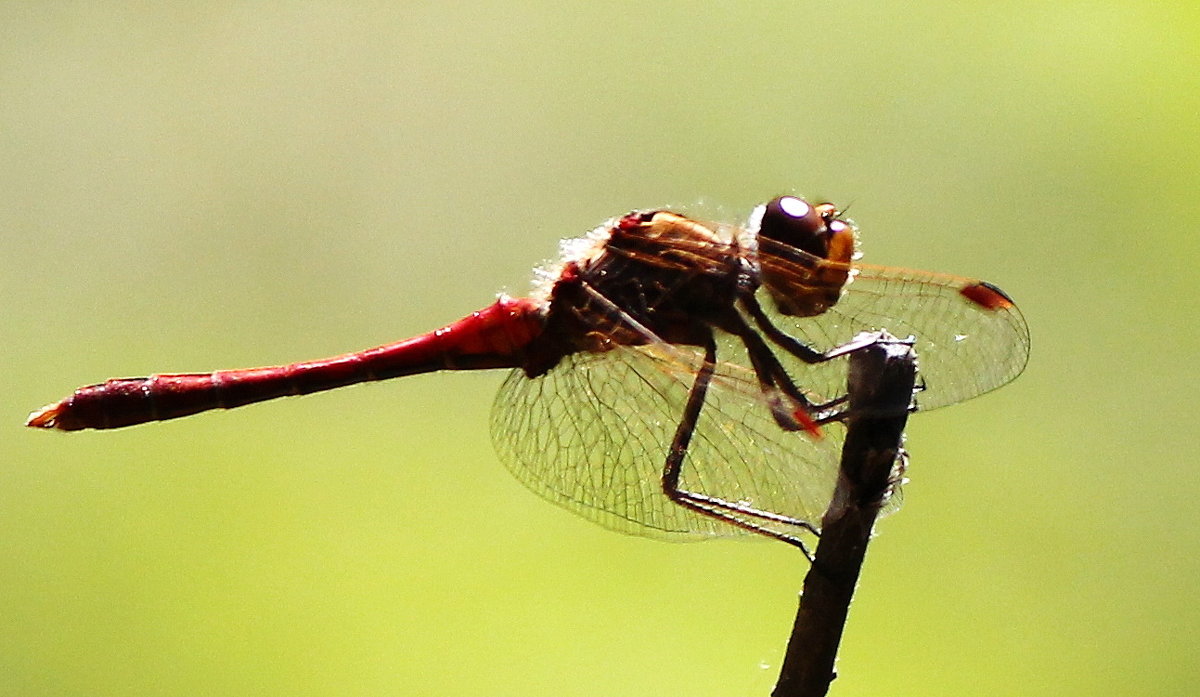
(880,388)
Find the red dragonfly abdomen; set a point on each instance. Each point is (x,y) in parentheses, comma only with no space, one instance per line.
(494,337)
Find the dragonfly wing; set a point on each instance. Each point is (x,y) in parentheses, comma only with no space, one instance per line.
(592,435)
(970,338)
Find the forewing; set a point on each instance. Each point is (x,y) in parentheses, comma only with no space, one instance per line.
(592,435)
(964,347)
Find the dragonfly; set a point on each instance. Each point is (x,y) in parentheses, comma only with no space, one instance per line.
(669,376)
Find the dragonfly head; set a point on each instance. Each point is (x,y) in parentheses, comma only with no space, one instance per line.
(805,251)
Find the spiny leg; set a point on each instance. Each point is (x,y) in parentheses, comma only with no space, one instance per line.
(805,353)
(793,345)
(785,341)
(708,505)
(772,377)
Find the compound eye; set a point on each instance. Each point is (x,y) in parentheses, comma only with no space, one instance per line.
(796,223)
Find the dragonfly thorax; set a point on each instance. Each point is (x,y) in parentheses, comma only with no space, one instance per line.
(657,276)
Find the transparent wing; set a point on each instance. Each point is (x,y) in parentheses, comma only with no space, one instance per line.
(965,347)
(592,435)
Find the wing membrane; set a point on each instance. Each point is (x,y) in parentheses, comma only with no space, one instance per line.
(592,435)
(964,348)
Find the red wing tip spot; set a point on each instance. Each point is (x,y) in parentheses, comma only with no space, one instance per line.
(987,296)
(46,417)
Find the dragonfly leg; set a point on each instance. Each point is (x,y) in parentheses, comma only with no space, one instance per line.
(798,348)
(707,505)
(784,340)
(772,376)
(825,411)
(838,409)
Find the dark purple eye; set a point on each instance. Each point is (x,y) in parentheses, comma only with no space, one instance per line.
(796,223)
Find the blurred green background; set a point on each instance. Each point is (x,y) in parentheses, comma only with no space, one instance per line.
(246,183)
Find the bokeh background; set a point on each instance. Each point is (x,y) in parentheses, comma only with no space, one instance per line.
(233,184)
